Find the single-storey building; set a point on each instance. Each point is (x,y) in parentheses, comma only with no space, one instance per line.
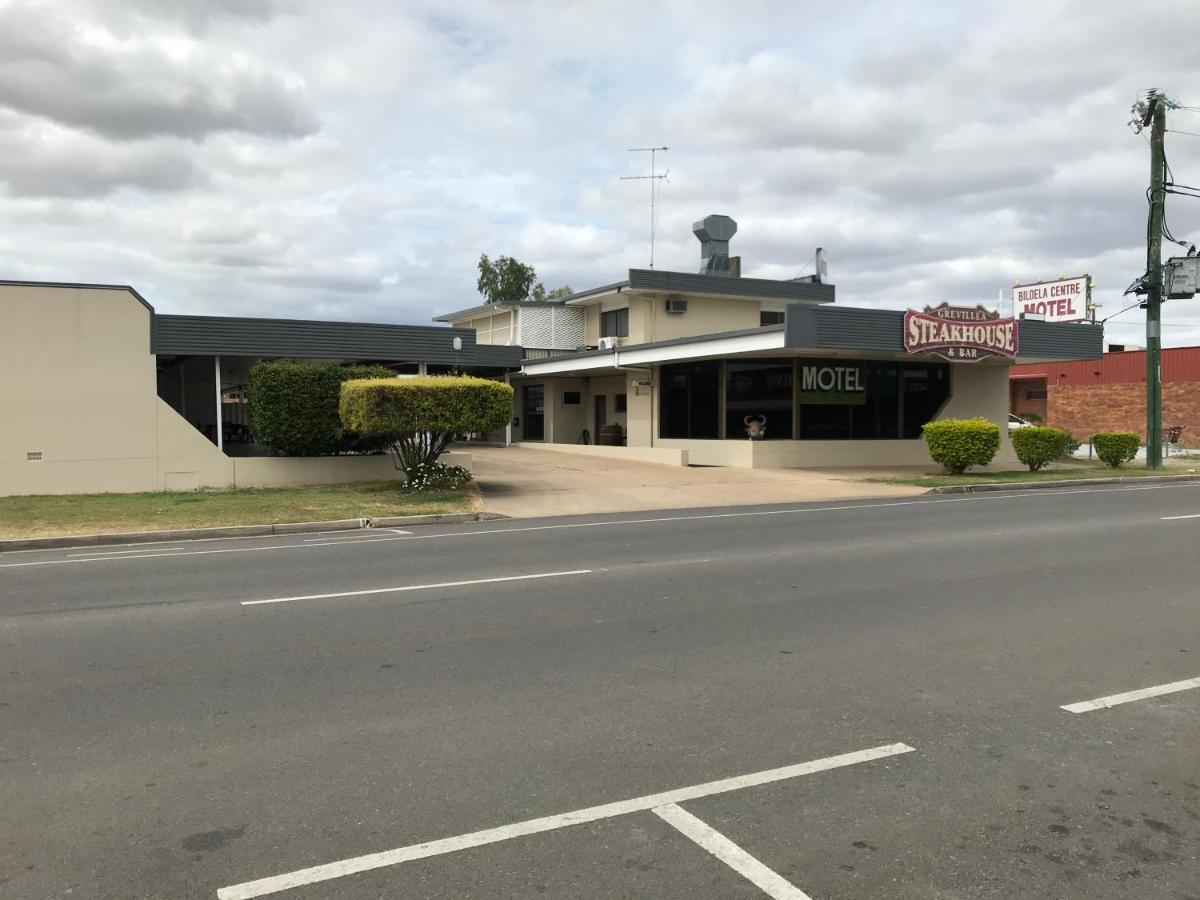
(101,393)
(711,368)
(1109,394)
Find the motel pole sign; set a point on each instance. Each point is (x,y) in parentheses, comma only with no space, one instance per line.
(1065,300)
(960,333)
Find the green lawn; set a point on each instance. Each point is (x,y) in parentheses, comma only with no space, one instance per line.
(48,515)
(1057,472)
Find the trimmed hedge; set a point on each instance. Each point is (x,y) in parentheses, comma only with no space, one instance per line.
(417,418)
(1116,447)
(293,408)
(1035,446)
(960,443)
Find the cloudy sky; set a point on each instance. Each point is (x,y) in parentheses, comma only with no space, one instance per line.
(351,160)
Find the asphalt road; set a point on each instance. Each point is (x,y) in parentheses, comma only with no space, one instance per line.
(162,735)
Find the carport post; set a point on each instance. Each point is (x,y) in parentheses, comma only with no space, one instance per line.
(422,368)
(217,379)
(508,424)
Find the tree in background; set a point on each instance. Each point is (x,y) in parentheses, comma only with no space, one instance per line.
(504,279)
(540,293)
(418,417)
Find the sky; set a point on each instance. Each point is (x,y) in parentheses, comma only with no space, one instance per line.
(352,160)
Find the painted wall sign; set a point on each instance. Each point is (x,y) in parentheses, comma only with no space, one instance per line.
(960,333)
(1059,301)
(830,382)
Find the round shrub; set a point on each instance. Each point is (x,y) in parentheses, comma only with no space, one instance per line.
(1116,447)
(1035,446)
(960,443)
(293,408)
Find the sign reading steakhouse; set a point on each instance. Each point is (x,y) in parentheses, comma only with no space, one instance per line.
(959,333)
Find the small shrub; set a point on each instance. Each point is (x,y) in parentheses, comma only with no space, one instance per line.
(1033,417)
(960,443)
(1036,446)
(1069,448)
(1116,447)
(437,477)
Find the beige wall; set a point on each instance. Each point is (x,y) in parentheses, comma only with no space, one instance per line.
(493,328)
(705,315)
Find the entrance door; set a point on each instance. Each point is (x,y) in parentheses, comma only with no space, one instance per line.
(601,412)
(534,410)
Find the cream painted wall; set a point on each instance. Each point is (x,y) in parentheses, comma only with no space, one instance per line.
(705,315)
(591,325)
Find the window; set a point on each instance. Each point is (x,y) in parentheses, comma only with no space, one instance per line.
(760,390)
(570,398)
(690,395)
(1036,394)
(619,404)
(771,317)
(615,323)
(840,400)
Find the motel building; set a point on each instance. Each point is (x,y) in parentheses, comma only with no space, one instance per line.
(105,394)
(709,368)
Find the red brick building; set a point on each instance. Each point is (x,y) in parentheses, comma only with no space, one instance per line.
(1109,394)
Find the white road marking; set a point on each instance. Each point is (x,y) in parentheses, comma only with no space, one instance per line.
(344,867)
(419,587)
(1131,696)
(1173,518)
(966,498)
(141,550)
(767,880)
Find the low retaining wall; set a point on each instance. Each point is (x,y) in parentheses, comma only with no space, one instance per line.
(667,456)
(285,471)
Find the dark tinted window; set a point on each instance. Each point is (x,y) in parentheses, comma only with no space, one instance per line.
(614,323)
(760,390)
(690,396)
(848,400)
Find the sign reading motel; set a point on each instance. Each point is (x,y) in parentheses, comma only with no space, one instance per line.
(1064,300)
(960,333)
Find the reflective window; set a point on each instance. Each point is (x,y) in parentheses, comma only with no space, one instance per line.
(690,396)
(758,399)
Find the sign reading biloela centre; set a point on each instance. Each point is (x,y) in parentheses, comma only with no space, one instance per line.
(960,333)
(1064,300)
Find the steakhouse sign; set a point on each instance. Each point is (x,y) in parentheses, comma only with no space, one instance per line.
(959,333)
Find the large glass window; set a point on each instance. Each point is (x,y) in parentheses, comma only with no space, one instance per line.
(850,400)
(760,391)
(690,397)
(615,323)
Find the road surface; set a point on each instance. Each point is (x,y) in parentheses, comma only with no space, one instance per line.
(855,700)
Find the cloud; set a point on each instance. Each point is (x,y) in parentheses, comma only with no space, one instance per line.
(353,160)
(84,77)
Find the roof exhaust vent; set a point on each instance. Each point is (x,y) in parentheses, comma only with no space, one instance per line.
(714,233)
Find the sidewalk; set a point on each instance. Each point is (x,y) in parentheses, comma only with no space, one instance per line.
(520,482)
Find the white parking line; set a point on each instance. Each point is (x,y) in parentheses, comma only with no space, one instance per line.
(419,587)
(1131,696)
(344,867)
(114,553)
(1174,518)
(767,880)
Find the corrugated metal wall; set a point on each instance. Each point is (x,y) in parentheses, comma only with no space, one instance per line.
(1126,367)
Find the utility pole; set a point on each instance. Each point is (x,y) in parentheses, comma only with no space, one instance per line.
(1156,119)
(653,178)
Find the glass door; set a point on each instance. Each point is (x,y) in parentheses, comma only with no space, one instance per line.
(534,411)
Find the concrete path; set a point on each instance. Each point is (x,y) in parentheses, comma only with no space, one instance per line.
(516,481)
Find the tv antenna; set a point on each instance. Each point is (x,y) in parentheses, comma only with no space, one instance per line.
(653,178)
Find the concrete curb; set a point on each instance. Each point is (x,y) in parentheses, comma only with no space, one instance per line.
(1045,485)
(235,531)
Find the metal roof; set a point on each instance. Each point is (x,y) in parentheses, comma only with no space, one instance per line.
(295,338)
(495,307)
(720,285)
(1123,367)
(78,285)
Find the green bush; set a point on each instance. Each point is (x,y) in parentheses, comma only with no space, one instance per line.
(1033,417)
(1036,446)
(293,408)
(417,418)
(435,476)
(1116,447)
(960,443)
(1069,447)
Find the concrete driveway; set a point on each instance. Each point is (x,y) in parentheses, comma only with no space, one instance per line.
(516,481)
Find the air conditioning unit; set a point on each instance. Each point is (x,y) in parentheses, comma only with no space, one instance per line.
(676,306)
(609,343)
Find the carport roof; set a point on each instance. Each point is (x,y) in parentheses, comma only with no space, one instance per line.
(301,338)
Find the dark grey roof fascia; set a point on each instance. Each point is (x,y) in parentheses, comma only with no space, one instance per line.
(499,356)
(293,338)
(652,345)
(80,286)
(858,328)
(591,292)
(492,307)
(718,285)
